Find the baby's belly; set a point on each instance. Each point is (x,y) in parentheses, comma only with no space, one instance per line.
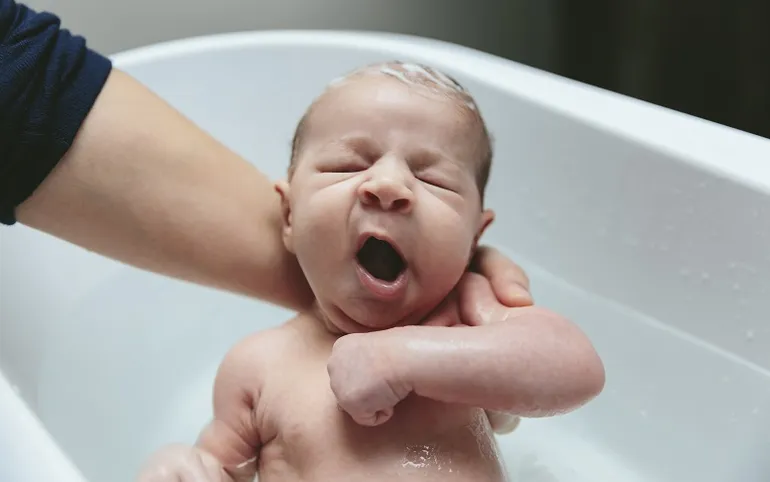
(424,440)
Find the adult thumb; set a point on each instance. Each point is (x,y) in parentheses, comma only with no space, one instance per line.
(478,303)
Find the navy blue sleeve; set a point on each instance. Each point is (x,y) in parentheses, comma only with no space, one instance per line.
(49,80)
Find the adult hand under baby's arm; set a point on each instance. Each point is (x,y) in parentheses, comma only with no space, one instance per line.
(182,463)
(524,361)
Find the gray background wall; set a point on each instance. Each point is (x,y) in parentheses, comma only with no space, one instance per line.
(709,58)
(512,28)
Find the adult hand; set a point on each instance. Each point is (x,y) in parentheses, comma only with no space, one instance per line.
(507,281)
(482,296)
(182,463)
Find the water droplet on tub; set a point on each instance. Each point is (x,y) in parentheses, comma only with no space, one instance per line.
(725,379)
(736,287)
(705,276)
(643,413)
(732,265)
(755,411)
(749,335)
(684,272)
(601,231)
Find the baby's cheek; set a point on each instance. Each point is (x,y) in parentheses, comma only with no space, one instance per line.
(444,259)
(319,238)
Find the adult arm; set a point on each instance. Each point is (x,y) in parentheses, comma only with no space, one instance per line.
(91,156)
(144,185)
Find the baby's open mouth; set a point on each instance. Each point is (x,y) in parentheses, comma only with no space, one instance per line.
(381,259)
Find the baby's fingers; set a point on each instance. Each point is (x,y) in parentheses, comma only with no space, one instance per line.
(373,419)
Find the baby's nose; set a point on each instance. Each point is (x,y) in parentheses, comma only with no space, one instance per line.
(387,193)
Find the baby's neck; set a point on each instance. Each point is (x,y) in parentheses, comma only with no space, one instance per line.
(444,314)
(323,319)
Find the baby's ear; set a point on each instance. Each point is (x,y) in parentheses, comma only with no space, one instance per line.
(284,190)
(487,216)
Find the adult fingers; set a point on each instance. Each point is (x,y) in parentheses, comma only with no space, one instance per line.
(509,282)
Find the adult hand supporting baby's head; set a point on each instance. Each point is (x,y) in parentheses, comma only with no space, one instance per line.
(494,284)
(509,282)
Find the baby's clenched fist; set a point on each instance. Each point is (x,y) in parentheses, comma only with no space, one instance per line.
(363,380)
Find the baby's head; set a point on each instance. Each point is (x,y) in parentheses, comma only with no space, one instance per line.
(383,205)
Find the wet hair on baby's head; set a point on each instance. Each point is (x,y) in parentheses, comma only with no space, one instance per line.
(418,75)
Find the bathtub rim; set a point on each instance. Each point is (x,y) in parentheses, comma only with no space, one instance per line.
(715,148)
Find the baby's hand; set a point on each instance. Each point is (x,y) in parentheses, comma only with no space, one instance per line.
(182,463)
(362,380)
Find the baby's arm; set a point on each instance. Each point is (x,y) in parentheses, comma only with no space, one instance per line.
(226,450)
(534,363)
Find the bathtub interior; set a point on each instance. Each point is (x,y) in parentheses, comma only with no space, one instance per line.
(663,262)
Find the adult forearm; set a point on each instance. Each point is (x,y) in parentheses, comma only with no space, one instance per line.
(144,185)
(533,364)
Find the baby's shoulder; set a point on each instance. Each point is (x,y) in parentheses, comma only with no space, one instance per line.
(258,353)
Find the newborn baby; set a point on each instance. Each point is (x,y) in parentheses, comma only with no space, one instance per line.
(383,208)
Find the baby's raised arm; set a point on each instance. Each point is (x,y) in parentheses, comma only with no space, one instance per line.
(530,362)
(226,450)
(534,363)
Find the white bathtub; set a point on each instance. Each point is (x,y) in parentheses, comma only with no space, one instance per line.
(651,229)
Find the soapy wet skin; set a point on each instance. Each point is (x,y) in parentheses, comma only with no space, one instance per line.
(306,437)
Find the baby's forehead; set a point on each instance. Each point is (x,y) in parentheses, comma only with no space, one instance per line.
(417,76)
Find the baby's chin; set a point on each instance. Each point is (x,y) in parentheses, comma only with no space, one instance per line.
(357,317)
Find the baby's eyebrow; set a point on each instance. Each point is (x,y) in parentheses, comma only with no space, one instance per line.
(362,145)
(426,157)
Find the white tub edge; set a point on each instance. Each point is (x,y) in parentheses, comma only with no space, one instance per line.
(699,142)
(27,451)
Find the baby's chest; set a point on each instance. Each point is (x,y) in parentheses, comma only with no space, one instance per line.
(309,424)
